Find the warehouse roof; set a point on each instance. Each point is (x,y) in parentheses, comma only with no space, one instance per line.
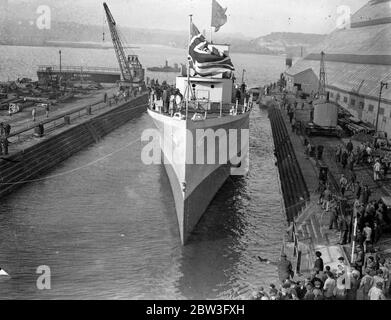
(356,78)
(357,59)
(374,12)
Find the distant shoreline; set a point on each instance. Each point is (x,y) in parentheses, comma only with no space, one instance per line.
(84,45)
(75,45)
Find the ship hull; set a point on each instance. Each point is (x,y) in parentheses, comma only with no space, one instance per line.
(193,185)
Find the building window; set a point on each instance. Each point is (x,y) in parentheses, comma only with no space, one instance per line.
(370,108)
(361,105)
(345,99)
(381,111)
(331,95)
(353,102)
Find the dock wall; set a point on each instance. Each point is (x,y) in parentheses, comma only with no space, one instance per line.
(294,188)
(36,160)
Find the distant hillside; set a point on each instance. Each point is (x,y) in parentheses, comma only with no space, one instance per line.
(76,21)
(287,42)
(22,32)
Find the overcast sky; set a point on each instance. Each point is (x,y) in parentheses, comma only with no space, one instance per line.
(249,17)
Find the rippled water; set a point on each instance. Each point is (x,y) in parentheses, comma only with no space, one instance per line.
(109,230)
(23,61)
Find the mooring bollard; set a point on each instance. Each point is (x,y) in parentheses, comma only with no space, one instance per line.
(39,130)
(67,120)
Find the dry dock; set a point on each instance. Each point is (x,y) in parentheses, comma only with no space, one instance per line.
(67,131)
(308,223)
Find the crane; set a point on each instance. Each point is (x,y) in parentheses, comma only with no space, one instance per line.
(131,69)
(322,77)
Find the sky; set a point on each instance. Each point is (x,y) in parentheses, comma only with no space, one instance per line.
(251,18)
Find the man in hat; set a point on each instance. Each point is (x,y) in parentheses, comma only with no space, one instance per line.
(319,261)
(285,270)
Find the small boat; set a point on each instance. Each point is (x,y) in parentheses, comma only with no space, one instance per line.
(166,68)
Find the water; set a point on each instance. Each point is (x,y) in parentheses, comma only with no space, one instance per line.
(20,62)
(109,230)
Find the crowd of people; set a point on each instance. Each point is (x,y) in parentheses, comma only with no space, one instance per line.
(170,97)
(364,154)
(359,220)
(369,281)
(167,99)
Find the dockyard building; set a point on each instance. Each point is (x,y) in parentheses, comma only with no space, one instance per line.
(358,59)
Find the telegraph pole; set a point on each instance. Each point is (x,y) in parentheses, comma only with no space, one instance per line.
(382,85)
(60,60)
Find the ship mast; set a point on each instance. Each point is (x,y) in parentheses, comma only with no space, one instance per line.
(188,68)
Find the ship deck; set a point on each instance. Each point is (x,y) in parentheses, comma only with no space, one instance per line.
(210,114)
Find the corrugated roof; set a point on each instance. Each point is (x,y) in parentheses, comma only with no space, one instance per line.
(355,78)
(370,40)
(373,10)
(360,44)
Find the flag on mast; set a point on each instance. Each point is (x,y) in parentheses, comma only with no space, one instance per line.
(205,59)
(219,18)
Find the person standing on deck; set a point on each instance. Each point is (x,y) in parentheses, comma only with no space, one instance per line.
(178,100)
(166,100)
(172,104)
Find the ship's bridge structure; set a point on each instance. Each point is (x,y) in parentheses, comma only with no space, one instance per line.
(358,60)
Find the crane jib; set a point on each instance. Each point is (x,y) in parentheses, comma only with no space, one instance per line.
(119,48)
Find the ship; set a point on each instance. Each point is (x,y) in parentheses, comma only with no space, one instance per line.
(166,68)
(48,73)
(211,108)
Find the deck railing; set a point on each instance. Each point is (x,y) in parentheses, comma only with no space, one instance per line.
(205,107)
